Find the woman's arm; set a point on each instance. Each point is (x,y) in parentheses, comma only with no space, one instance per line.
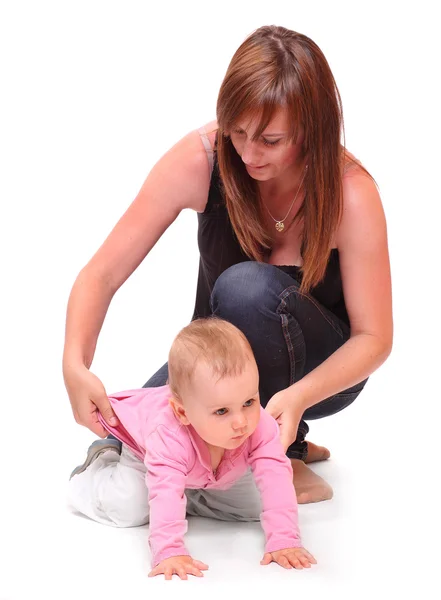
(179,180)
(365,272)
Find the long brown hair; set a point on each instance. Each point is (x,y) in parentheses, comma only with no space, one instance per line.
(277,67)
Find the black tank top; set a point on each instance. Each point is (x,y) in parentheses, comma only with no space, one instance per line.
(219,249)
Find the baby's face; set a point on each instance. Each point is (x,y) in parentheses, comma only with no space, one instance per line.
(224,412)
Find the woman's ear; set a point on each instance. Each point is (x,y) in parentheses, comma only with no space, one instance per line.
(179,410)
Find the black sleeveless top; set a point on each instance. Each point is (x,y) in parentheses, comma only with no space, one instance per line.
(219,249)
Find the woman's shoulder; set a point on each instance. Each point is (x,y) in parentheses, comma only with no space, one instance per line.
(359,186)
(210,130)
(187,167)
(358,183)
(361,199)
(352,165)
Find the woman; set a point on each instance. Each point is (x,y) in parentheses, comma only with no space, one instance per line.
(292,238)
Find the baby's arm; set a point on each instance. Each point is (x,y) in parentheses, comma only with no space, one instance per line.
(167,468)
(274,478)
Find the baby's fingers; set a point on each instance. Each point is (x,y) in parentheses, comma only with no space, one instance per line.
(161,570)
(200,565)
(305,561)
(167,572)
(182,571)
(305,554)
(267,559)
(296,562)
(284,562)
(194,571)
(188,569)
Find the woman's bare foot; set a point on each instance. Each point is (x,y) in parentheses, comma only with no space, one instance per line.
(309,486)
(316,453)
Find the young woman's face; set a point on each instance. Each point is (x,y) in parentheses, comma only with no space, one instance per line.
(272,154)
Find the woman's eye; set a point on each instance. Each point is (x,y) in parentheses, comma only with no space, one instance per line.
(264,141)
(221,411)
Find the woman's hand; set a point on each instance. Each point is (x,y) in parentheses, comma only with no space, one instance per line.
(289,558)
(287,410)
(87,396)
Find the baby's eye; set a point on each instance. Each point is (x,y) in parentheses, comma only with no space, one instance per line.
(249,402)
(221,411)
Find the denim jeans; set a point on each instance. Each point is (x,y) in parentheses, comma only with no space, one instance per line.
(290,334)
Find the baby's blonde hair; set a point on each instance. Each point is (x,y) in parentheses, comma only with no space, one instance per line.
(213,341)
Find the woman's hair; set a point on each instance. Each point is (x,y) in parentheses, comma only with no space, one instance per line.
(276,67)
(212,341)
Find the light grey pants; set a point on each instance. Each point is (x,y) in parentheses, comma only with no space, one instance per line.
(112,491)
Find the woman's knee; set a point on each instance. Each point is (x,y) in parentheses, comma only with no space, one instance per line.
(245,287)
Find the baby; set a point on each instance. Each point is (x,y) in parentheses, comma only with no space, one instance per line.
(205,444)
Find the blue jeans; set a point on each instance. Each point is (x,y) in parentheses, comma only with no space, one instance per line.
(290,334)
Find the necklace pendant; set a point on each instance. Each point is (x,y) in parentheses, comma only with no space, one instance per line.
(280,226)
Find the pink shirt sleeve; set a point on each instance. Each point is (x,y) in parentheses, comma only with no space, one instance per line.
(167,463)
(274,478)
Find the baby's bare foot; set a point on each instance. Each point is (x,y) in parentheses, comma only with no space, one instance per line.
(316,453)
(309,486)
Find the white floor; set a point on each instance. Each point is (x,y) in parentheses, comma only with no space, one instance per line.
(87,107)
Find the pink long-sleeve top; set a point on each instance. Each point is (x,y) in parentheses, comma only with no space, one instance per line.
(177,459)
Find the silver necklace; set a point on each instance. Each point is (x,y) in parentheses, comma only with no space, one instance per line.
(280,225)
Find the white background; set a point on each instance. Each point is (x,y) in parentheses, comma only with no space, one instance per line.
(91,95)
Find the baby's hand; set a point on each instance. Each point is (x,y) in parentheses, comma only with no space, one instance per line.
(290,557)
(181,565)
